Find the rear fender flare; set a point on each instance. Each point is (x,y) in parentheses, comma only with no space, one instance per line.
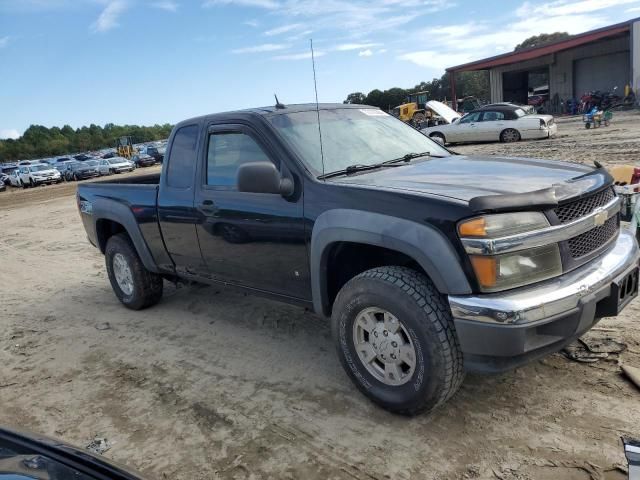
(425,244)
(105,209)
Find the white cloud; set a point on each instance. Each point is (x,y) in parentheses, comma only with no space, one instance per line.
(382,50)
(269,4)
(252,23)
(632,10)
(166,5)
(265,47)
(345,47)
(9,133)
(4,41)
(298,56)
(108,19)
(283,29)
(365,53)
(437,59)
(567,7)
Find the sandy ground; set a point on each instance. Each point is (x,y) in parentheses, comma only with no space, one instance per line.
(211,383)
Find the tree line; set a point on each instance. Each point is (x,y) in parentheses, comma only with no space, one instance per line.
(38,141)
(467,84)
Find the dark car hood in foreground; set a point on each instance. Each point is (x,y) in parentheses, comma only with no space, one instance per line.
(466,177)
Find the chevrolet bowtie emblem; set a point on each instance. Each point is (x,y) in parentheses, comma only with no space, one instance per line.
(600,218)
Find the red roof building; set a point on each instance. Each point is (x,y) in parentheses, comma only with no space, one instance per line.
(596,60)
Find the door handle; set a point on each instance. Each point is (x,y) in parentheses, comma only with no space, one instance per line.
(208,206)
(207,202)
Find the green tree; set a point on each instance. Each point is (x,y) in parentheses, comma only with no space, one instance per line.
(355,98)
(542,39)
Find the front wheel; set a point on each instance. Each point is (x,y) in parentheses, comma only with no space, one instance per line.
(510,135)
(134,285)
(438,137)
(396,340)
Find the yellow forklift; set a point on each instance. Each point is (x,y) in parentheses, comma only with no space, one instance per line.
(413,111)
(124,147)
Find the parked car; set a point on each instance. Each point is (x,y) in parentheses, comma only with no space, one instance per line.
(14,179)
(80,171)
(503,123)
(5,171)
(143,160)
(428,263)
(528,109)
(83,156)
(107,166)
(62,167)
(38,174)
(157,153)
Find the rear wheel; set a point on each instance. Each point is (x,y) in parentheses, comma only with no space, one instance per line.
(396,340)
(134,285)
(510,135)
(32,184)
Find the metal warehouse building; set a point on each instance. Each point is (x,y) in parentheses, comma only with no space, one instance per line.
(597,60)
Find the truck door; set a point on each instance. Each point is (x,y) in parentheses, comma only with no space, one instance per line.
(250,239)
(176,213)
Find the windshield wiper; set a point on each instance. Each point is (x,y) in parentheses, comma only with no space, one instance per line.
(407,158)
(387,163)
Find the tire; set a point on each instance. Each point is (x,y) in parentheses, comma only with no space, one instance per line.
(438,137)
(510,135)
(587,126)
(426,322)
(24,185)
(146,286)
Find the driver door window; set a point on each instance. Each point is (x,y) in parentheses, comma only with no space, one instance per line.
(226,152)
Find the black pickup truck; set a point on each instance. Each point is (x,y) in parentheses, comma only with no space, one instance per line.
(428,263)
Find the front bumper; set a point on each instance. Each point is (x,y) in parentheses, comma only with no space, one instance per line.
(503,330)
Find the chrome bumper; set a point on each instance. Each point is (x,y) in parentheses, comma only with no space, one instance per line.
(553,297)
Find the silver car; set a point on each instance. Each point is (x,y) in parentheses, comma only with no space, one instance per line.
(107,166)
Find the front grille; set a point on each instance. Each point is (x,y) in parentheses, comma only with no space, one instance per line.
(595,238)
(571,211)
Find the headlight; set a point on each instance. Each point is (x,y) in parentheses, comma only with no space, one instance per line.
(502,224)
(514,269)
(511,270)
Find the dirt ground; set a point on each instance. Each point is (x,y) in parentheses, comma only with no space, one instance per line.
(212,383)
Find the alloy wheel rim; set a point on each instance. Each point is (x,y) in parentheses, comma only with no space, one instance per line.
(123,275)
(384,346)
(510,136)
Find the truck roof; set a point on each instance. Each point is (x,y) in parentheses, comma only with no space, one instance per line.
(272,110)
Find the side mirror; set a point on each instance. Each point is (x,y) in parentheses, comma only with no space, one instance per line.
(263,177)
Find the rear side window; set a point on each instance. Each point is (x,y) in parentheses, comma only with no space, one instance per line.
(183,157)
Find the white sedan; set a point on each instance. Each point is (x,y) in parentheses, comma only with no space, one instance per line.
(505,123)
(107,166)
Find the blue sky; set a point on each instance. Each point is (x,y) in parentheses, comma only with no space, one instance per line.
(78,62)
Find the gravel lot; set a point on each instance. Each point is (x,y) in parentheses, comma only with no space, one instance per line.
(211,383)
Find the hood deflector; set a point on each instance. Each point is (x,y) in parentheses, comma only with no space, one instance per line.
(546,198)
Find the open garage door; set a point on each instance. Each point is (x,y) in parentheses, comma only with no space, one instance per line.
(601,73)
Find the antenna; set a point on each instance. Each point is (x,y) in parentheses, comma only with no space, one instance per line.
(315,86)
(279,106)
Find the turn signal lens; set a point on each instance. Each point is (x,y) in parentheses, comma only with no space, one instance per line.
(476,227)
(486,270)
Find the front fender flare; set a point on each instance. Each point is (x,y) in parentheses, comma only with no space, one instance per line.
(425,244)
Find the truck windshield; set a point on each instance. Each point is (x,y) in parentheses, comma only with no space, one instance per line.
(350,136)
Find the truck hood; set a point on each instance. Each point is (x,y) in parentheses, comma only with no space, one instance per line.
(465,177)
